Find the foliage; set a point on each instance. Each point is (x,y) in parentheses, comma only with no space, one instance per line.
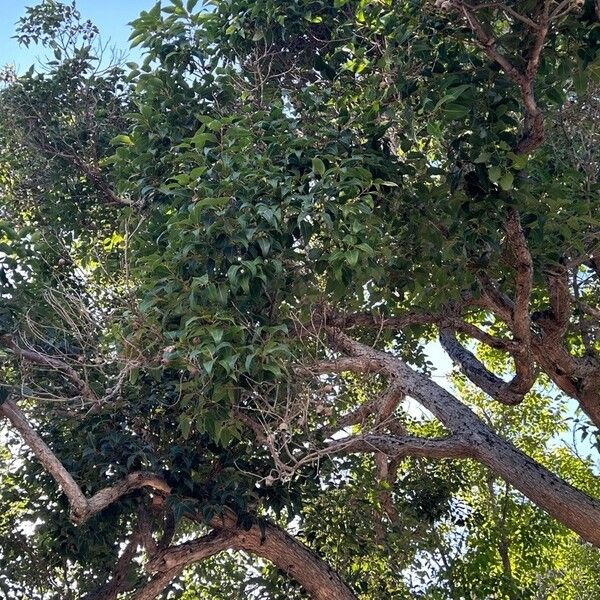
(183,240)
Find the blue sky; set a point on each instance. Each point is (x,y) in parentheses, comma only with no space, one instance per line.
(111,17)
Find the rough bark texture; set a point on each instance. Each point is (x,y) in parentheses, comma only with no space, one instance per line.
(570,506)
(269,542)
(312,573)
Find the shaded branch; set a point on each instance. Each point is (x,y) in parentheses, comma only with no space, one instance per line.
(521,324)
(533,126)
(560,299)
(445,319)
(81,507)
(119,582)
(55,364)
(506,392)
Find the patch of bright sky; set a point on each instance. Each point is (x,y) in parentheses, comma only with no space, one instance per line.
(110,16)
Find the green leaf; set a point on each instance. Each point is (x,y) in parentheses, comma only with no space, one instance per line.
(265,245)
(494,174)
(556,95)
(506,181)
(216,334)
(352,257)
(185,425)
(456,111)
(318,166)
(122,139)
(201,138)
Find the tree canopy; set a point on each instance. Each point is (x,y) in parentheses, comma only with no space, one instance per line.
(229,277)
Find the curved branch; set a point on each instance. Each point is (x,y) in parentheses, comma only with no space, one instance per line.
(81,507)
(270,542)
(506,392)
(106,496)
(184,554)
(533,127)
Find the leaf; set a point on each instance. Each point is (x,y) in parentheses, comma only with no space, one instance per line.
(216,334)
(124,140)
(556,95)
(506,181)
(494,173)
(519,161)
(185,425)
(456,111)
(452,95)
(201,138)
(265,245)
(352,257)
(318,166)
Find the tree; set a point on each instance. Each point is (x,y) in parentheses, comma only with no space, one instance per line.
(221,267)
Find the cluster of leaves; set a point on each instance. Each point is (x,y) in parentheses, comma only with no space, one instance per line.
(276,157)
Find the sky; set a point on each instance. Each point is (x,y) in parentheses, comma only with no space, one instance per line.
(110,16)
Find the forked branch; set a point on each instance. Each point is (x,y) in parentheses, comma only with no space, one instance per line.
(82,508)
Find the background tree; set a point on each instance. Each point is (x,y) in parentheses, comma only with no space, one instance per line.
(221,268)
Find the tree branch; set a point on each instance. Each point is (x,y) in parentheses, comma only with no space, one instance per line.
(506,392)
(38,358)
(269,541)
(402,446)
(560,299)
(533,127)
(570,506)
(521,325)
(445,319)
(118,582)
(81,507)
(152,590)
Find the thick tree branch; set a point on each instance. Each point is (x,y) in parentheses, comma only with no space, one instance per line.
(153,589)
(189,552)
(570,506)
(269,542)
(81,507)
(506,392)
